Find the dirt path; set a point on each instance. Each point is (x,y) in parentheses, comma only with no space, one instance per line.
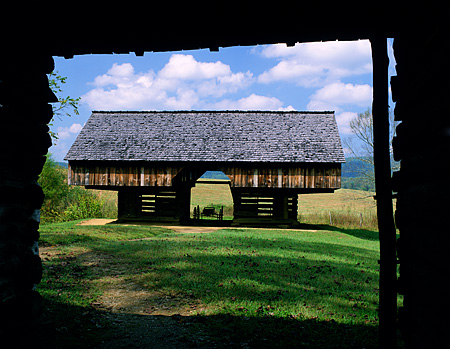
(177,228)
(97,221)
(129,315)
(180,228)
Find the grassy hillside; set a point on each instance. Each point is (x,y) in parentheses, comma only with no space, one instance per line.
(216,195)
(204,194)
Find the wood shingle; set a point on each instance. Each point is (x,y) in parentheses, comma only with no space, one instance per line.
(213,136)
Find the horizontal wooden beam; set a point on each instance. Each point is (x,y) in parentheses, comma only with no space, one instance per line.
(222,181)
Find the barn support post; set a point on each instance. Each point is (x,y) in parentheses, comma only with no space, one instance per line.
(386,226)
(128,203)
(280,206)
(183,195)
(24,140)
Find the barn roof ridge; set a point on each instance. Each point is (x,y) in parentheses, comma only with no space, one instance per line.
(209,136)
(240,111)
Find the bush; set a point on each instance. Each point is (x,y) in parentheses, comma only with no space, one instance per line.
(85,205)
(63,202)
(53,183)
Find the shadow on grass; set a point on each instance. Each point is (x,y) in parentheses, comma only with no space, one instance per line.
(359,233)
(366,234)
(88,328)
(255,269)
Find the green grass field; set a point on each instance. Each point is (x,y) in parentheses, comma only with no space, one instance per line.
(263,287)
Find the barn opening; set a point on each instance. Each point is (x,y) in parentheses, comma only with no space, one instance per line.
(211,198)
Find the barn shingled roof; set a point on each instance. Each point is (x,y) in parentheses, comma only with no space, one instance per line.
(241,136)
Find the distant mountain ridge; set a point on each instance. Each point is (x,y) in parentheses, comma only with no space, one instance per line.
(354,167)
(353,175)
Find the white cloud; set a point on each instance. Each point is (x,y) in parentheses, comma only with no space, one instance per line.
(322,66)
(225,84)
(252,102)
(119,74)
(185,67)
(75,128)
(67,132)
(317,63)
(186,83)
(66,136)
(337,94)
(185,99)
(183,83)
(343,120)
(290,70)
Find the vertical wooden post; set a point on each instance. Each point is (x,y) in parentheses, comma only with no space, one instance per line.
(386,227)
(280,206)
(183,201)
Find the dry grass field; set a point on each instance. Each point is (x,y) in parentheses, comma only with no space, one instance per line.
(347,208)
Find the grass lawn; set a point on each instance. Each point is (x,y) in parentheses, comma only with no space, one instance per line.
(256,287)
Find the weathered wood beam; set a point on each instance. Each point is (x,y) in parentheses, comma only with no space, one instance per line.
(386,226)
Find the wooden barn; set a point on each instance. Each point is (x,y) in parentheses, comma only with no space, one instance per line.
(154,158)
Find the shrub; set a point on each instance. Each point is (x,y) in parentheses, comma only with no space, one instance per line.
(84,205)
(63,202)
(53,183)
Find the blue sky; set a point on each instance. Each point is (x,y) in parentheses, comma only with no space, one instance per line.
(311,76)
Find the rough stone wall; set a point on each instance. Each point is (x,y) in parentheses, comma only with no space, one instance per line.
(422,144)
(24,141)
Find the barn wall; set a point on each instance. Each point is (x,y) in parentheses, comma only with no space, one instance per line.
(154,204)
(122,176)
(253,206)
(298,176)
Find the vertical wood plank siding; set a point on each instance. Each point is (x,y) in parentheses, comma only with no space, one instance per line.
(123,176)
(323,176)
(302,177)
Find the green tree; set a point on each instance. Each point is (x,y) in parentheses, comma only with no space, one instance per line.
(53,183)
(84,204)
(65,105)
(63,202)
